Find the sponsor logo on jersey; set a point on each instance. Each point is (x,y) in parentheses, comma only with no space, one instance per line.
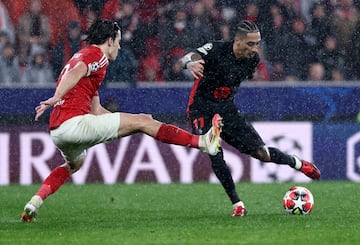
(93,67)
(204,49)
(222,92)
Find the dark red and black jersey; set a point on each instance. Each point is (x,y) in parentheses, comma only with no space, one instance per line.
(223,73)
(215,92)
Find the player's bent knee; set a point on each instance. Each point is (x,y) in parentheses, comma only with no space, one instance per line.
(75,166)
(144,120)
(262,154)
(145,117)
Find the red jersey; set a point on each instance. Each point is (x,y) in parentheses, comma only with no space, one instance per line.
(77,101)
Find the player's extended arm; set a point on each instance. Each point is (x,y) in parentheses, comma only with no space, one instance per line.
(69,79)
(194,63)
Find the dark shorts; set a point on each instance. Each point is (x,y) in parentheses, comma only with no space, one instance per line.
(237,131)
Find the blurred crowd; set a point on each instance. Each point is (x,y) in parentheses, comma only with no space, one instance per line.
(302,40)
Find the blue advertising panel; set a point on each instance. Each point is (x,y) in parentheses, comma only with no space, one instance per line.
(270,103)
(337,149)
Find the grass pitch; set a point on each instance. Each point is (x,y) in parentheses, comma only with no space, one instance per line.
(180,214)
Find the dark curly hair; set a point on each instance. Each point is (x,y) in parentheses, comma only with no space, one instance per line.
(101,30)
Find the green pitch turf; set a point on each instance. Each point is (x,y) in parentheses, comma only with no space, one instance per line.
(180,214)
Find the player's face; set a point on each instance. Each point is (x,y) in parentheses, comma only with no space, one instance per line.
(114,47)
(246,47)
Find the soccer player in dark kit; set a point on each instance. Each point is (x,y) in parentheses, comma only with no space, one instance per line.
(219,68)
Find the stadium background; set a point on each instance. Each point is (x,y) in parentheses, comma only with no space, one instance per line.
(317,120)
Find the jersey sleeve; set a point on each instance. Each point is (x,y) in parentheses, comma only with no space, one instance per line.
(92,64)
(206,51)
(89,61)
(92,61)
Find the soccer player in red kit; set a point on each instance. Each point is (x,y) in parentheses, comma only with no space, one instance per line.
(78,120)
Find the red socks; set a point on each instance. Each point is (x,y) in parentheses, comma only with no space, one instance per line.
(174,135)
(53,182)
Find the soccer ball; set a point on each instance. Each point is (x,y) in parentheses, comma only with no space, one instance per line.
(298,200)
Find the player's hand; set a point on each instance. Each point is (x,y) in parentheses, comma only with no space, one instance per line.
(196,68)
(44,105)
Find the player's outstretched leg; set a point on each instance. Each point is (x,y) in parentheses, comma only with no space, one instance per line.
(210,142)
(308,168)
(239,209)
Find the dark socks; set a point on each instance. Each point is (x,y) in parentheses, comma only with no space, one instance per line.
(280,157)
(223,173)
